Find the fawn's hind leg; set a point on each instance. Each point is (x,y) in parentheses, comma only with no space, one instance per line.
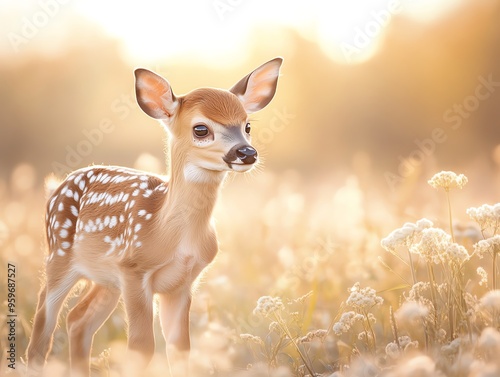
(83,321)
(60,281)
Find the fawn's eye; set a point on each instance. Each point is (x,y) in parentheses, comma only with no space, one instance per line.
(248,128)
(200,131)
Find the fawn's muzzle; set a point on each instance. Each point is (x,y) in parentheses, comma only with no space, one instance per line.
(246,155)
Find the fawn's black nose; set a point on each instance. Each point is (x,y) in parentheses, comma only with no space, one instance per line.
(246,154)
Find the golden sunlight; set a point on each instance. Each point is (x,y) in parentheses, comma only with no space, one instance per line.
(349,32)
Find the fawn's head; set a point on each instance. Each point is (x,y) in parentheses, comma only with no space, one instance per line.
(209,127)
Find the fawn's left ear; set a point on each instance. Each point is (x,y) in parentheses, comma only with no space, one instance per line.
(257,89)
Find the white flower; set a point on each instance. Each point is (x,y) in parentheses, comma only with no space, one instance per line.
(491,301)
(487,216)
(489,341)
(411,312)
(418,290)
(404,236)
(447,180)
(483,275)
(456,253)
(488,245)
(452,348)
(346,321)
(418,366)
(432,245)
(393,350)
(267,305)
(364,298)
(320,334)
(251,338)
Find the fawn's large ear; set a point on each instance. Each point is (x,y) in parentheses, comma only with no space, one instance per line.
(154,94)
(257,89)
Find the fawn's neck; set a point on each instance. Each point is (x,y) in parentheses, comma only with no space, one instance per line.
(191,200)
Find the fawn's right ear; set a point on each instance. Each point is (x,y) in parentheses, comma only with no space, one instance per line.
(154,94)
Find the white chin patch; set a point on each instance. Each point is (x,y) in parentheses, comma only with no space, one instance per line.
(241,167)
(194,173)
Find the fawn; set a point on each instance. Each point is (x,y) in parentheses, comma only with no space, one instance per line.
(132,234)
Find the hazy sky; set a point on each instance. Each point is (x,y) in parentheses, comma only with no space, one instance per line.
(211,30)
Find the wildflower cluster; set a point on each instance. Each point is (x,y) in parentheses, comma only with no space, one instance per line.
(483,275)
(443,322)
(284,330)
(346,321)
(311,335)
(251,338)
(363,298)
(404,343)
(432,244)
(487,216)
(448,180)
(404,236)
(267,305)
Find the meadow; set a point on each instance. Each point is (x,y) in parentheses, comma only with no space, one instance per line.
(312,279)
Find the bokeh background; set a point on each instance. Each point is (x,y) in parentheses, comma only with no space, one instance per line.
(374,98)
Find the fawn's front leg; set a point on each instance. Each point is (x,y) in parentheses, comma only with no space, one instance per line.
(141,342)
(174,320)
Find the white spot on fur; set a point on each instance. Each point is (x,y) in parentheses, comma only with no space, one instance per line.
(63,233)
(61,253)
(60,207)
(67,224)
(74,211)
